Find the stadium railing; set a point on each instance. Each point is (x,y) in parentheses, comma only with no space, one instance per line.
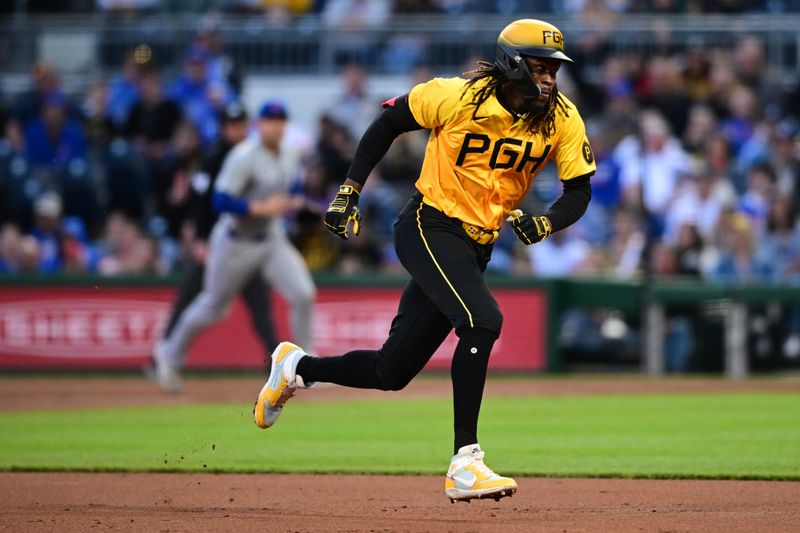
(98,43)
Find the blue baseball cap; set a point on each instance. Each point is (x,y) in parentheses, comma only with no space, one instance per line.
(273,109)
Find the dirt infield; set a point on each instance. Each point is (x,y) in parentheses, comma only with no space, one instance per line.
(67,502)
(204,502)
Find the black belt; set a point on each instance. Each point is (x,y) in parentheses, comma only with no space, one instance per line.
(477,234)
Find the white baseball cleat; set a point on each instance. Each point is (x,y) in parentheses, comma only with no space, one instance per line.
(281,385)
(165,374)
(468,478)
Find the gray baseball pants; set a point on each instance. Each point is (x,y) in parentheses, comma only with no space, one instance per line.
(231,262)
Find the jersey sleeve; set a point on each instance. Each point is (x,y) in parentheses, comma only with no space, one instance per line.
(435,102)
(235,173)
(573,153)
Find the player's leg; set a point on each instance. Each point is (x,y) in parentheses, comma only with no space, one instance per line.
(449,267)
(190,287)
(286,271)
(256,295)
(418,329)
(230,263)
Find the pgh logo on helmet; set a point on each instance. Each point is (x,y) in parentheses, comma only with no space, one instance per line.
(527,37)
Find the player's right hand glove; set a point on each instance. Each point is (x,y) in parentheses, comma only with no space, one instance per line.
(343,211)
(529,229)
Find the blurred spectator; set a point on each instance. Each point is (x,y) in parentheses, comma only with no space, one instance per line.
(79,255)
(403,52)
(10,242)
(29,258)
(717,154)
(97,125)
(651,164)
(662,88)
(751,71)
(414,7)
(615,97)
(221,71)
(188,6)
(335,149)
(689,251)
(737,262)
(201,99)
(311,237)
(127,6)
(46,230)
(698,201)
(172,181)
(126,179)
(691,133)
(755,201)
(15,174)
(54,139)
(4,111)
(702,124)
(780,243)
(696,74)
(784,155)
(606,186)
(560,255)
(153,120)
(361,255)
(124,92)
(353,20)
(274,10)
(354,109)
(126,250)
(625,249)
(740,124)
(44,81)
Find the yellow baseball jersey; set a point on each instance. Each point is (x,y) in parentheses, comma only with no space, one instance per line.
(478,169)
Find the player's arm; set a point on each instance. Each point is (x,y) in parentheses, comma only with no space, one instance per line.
(395,119)
(229,190)
(273,205)
(575,162)
(564,212)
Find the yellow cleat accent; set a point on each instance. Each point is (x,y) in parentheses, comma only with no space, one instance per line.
(468,478)
(277,390)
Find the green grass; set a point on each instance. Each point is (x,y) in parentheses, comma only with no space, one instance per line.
(696,436)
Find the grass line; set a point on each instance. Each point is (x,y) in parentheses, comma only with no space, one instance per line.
(684,436)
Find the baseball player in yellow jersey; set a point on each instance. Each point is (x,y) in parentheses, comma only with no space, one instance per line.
(490,136)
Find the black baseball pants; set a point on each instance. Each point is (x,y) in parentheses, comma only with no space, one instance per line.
(447,291)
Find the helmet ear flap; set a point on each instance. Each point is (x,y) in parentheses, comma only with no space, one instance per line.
(506,60)
(516,70)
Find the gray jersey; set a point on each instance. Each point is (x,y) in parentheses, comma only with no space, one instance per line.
(252,172)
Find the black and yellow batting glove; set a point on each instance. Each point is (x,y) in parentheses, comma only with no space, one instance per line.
(529,229)
(343,211)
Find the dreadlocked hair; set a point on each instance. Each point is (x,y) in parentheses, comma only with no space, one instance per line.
(543,123)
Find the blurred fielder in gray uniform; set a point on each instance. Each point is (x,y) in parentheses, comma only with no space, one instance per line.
(252,195)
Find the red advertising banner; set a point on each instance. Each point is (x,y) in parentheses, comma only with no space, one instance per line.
(116,327)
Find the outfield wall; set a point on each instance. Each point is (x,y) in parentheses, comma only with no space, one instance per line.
(64,322)
(113,324)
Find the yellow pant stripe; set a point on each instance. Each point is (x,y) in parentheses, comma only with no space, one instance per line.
(435,262)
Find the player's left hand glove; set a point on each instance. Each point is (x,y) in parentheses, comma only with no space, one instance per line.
(343,211)
(529,229)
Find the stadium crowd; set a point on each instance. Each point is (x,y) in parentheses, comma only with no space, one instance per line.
(375,11)
(698,155)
